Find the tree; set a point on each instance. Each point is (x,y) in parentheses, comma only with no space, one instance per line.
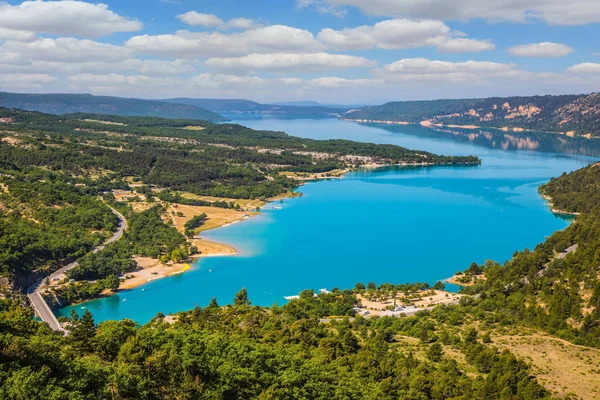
(439,286)
(474,269)
(371,286)
(83,331)
(471,336)
(213,303)
(350,343)
(241,298)
(111,282)
(435,352)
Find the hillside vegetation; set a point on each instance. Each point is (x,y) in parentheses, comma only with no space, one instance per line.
(572,114)
(86,103)
(249,106)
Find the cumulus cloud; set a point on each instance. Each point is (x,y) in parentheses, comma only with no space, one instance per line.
(12,34)
(585,68)
(288,62)
(554,12)
(332,82)
(195,18)
(67,50)
(422,69)
(401,34)
(24,81)
(218,85)
(462,45)
(186,44)
(65,18)
(541,50)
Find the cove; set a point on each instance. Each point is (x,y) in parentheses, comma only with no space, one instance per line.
(390,225)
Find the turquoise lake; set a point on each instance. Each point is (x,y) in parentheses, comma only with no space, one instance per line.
(392,225)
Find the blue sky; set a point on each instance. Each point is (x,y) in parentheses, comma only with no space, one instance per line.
(343,51)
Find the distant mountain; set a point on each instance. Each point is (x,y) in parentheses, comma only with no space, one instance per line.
(315,104)
(249,106)
(86,103)
(568,114)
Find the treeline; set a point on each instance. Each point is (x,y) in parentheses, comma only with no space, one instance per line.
(245,352)
(545,287)
(177,198)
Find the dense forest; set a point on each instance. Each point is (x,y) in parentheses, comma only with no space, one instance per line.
(244,352)
(578,114)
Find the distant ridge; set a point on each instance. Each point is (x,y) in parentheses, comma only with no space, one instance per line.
(249,106)
(315,104)
(87,103)
(568,114)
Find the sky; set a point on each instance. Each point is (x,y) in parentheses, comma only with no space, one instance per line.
(330,51)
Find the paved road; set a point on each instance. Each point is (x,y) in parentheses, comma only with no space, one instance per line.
(34,292)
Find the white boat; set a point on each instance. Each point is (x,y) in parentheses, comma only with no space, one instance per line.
(291,297)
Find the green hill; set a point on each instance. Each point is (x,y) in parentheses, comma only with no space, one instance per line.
(249,106)
(572,114)
(87,103)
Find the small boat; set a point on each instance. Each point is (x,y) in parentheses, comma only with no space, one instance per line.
(143,290)
(291,297)
(124,299)
(210,270)
(83,308)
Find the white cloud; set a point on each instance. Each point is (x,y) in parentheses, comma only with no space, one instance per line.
(554,12)
(195,18)
(21,82)
(322,7)
(424,70)
(332,82)
(243,23)
(222,86)
(541,50)
(159,67)
(462,45)
(585,68)
(202,85)
(287,62)
(67,50)
(65,18)
(401,34)
(12,34)
(185,44)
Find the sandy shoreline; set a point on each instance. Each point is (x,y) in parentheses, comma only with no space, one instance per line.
(429,124)
(555,210)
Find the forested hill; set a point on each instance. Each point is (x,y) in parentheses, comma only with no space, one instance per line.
(569,114)
(248,106)
(86,103)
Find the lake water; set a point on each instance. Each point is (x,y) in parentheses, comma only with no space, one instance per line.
(393,225)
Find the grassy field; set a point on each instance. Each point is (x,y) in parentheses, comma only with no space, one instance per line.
(559,365)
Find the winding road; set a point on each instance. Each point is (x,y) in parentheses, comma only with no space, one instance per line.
(34,292)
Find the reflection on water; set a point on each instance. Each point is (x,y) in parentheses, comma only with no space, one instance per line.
(512,141)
